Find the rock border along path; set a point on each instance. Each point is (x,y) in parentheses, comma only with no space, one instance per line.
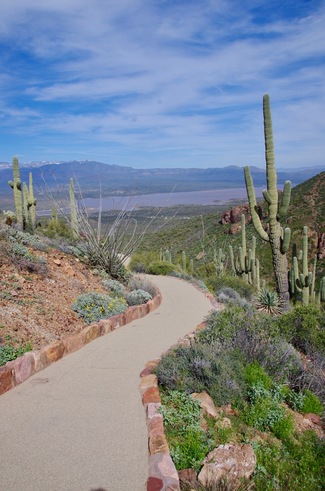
(79,424)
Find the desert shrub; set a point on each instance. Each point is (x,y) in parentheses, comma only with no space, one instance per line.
(20,250)
(218,283)
(228,295)
(137,282)
(311,403)
(304,327)
(137,297)
(94,306)
(58,228)
(23,237)
(255,336)
(264,412)
(115,287)
(29,240)
(160,268)
(203,367)
(255,374)
(187,440)
(290,465)
(140,261)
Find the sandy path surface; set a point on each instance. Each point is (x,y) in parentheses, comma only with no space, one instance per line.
(79,425)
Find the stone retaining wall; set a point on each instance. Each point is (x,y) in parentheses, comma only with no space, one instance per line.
(162,474)
(17,371)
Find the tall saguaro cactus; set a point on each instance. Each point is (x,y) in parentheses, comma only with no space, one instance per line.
(277,237)
(16,185)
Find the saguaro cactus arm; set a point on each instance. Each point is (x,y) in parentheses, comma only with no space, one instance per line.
(285,201)
(253,205)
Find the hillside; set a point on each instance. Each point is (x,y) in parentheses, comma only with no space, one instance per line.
(31,310)
(205,233)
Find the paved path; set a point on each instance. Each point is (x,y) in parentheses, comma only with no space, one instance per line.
(79,425)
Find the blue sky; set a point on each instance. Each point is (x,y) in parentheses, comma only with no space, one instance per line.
(159,83)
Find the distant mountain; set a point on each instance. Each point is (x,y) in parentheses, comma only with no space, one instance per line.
(119,180)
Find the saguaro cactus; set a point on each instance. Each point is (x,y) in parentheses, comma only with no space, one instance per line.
(16,185)
(219,259)
(277,237)
(246,265)
(304,282)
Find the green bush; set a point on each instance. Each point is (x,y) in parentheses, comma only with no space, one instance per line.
(264,412)
(255,336)
(291,465)
(187,441)
(160,268)
(254,374)
(304,327)
(140,261)
(217,283)
(94,306)
(311,403)
(57,229)
(203,367)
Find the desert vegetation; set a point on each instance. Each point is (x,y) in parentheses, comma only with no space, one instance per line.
(260,356)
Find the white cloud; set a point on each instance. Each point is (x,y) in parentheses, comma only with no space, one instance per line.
(187,75)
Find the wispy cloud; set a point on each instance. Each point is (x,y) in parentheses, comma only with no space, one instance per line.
(162,83)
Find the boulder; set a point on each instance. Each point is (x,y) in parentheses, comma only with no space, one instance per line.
(231,461)
(207,404)
(233,215)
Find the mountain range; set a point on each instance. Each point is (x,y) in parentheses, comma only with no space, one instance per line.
(118,180)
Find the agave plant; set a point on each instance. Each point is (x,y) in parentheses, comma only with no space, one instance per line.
(268,301)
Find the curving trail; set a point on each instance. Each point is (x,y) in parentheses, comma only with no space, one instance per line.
(79,425)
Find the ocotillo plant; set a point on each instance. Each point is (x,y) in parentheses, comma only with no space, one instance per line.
(32,202)
(73,210)
(277,237)
(16,185)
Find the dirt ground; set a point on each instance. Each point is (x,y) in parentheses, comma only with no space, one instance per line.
(36,308)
